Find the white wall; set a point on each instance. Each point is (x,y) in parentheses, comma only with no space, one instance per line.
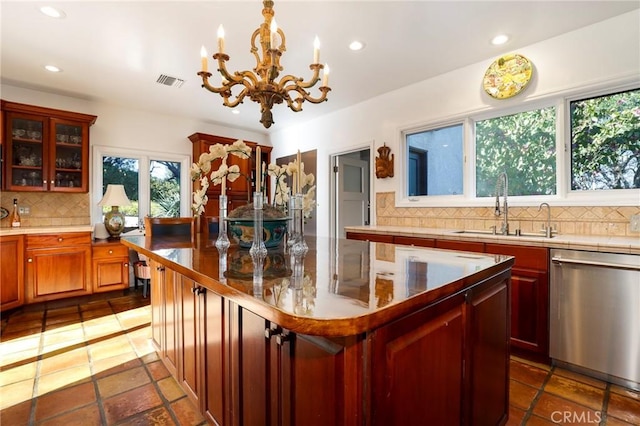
(603,54)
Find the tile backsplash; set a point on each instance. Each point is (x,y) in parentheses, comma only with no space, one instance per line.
(48,208)
(570,220)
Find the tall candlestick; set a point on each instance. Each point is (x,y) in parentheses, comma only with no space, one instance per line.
(220,39)
(263,175)
(316,50)
(203,58)
(299,159)
(258,174)
(224,185)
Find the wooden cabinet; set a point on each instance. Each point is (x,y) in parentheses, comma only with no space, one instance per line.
(529,299)
(58,266)
(46,149)
(464,341)
(165,314)
(110,266)
(239,192)
(278,371)
(11,271)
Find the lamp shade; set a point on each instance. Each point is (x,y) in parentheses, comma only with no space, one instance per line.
(115,196)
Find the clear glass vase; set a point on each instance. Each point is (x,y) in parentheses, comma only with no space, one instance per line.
(222,243)
(258,249)
(298,245)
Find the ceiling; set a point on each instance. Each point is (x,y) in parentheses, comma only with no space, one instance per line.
(113,52)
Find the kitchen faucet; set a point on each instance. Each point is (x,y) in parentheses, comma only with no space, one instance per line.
(502,184)
(547,228)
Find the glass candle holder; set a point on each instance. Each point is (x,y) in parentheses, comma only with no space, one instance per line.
(222,243)
(298,246)
(258,249)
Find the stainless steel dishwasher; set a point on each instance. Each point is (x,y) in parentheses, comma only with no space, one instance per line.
(595,314)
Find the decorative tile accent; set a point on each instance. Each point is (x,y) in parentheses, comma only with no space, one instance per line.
(49,208)
(568,220)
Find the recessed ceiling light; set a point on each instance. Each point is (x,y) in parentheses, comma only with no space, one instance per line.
(52,68)
(235,111)
(500,39)
(356,45)
(52,12)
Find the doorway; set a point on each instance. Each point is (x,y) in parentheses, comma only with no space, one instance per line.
(350,187)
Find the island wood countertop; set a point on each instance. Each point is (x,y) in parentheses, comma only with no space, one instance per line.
(609,244)
(347,287)
(33,230)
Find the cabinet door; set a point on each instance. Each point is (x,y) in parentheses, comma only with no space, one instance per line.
(403,392)
(156,295)
(27,152)
(529,311)
(57,273)
(69,156)
(191,366)
(214,348)
(529,299)
(11,271)
(249,357)
(332,370)
(489,357)
(171,351)
(110,274)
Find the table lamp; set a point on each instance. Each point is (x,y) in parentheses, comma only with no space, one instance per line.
(115,196)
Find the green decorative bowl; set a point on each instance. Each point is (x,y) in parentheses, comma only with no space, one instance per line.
(241,231)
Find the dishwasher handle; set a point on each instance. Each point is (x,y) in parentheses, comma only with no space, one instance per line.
(559,260)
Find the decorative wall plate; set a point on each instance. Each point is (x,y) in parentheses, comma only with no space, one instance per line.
(3,213)
(507,76)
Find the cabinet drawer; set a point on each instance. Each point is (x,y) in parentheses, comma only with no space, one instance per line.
(110,251)
(526,257)
(58,240)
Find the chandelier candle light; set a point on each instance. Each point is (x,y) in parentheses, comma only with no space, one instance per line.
(261,84)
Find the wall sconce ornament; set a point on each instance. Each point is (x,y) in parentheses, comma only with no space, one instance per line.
(384,163)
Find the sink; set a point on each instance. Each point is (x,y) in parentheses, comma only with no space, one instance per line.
(490,232)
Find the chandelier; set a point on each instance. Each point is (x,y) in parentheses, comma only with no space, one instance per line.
(261,84)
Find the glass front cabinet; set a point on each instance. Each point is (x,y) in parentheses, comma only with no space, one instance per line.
(45,149)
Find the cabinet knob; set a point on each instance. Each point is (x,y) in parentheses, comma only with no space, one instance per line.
(126,265)
(282,338)
(45,182)
(60,239)
(110,251)
(51,182)
(30,260)
(160,268)
(200,290)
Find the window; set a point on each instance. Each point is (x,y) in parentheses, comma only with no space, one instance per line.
(605,142)
(523,146)
(152,181)
(574,149)
(435,161)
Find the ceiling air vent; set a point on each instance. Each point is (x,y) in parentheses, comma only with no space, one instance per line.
(170,81)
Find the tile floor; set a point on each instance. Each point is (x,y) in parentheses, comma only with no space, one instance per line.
(92,363)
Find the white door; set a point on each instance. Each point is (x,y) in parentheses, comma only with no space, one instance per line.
(352,201)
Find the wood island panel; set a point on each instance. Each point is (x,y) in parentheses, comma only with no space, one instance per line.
(433,350)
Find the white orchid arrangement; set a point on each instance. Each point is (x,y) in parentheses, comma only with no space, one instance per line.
(202,171)
(282,190)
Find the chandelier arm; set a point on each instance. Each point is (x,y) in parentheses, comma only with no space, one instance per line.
(205,83)
(322,98)
(237,101)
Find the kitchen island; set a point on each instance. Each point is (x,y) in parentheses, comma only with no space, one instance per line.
(353,333)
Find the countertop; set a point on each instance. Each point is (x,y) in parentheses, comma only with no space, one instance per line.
(24,230)
(343,287)
(626,245)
